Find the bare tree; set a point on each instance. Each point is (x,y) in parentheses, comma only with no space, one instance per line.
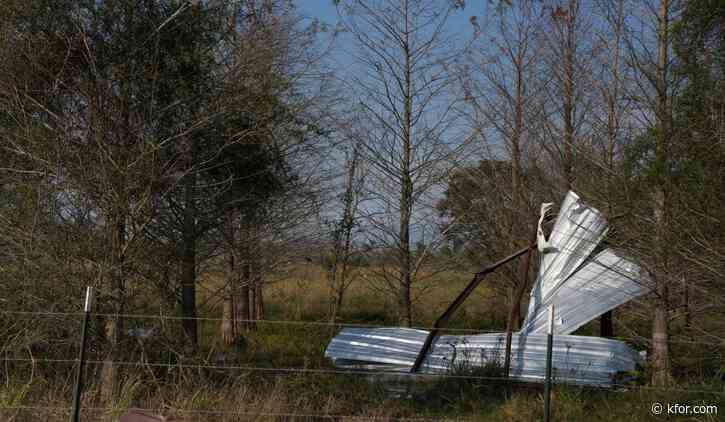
(339,259)
(405,55)
(504,89)
(569,63)
(265,164)
(662,213)
(610,127)
(648,51)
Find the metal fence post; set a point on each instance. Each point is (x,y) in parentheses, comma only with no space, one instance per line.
(76,412)
(549,349)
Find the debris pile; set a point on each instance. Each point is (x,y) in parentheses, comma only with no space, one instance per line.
(577,275)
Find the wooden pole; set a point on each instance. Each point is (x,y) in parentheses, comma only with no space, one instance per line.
(443,319)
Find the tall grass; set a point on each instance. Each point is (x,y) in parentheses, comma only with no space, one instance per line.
(41,392)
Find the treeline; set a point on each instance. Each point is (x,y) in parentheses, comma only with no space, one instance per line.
(153,147)
(143,141)
(619,101)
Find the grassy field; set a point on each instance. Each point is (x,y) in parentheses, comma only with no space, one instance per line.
(209,393)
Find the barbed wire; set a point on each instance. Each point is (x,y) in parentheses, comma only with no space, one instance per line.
(241,320)
(625,387)
(326,323)
(314,371)
(230,412)
(610,387)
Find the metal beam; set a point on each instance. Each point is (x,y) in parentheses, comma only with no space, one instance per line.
(443,319)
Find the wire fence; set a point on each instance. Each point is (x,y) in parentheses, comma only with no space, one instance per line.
(200,412)
(277,322)
(255,415)
(316,369)
(334,324)
(612,387)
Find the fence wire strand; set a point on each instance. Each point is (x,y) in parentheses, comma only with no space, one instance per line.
(612,387)
(228,412)
(322,324)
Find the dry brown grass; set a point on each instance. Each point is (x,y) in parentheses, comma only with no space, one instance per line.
(236,395)
(306,295)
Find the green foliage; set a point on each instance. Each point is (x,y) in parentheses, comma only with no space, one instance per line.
(107,106)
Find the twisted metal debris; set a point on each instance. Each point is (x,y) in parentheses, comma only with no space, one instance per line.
(581,279)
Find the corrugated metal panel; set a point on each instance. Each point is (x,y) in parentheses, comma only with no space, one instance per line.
(602,284)
(576,233)
(576,359)
(581,288)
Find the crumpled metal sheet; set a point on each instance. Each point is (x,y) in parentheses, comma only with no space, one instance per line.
(576,233)
(602,284)
(580,360)
(581,288)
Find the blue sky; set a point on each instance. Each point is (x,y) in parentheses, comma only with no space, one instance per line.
(321,9)
(342,61)
(325,12)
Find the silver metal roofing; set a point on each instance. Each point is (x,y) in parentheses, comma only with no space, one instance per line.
(579,285)
(576,233)
(576,359)
(602,284)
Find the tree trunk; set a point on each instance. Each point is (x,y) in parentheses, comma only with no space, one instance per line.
(338,270)
(188,261)
(259,298)
(568,106)
(110,376)
(405,305)
(660,348)
(512,321)
(514,316)
(336,305)
(612,96)
(245,310)
(660,339)
(406,193)
(660,327)
(517,198)
(114,325)
(516,185)
(230,327)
